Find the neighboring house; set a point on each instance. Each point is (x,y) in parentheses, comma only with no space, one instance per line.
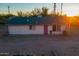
(36,25)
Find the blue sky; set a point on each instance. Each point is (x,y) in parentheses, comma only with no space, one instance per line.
(68,8)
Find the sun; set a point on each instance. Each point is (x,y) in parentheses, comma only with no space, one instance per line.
(71,14)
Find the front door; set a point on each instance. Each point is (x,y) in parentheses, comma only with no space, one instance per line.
(54,28)
(45,29)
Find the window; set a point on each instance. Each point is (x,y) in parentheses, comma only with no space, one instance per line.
(54,27)
(58,27)
(31,27)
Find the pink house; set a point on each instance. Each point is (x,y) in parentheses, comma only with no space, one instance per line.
(37,25)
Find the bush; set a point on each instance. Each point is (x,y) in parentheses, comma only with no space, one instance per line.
(65,33)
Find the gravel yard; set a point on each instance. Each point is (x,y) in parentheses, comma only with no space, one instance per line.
(37,45)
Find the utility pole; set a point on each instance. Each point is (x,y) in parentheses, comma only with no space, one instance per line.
(54,11)
(8,9)
(61,8)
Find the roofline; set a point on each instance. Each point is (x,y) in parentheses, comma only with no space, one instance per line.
(29,24)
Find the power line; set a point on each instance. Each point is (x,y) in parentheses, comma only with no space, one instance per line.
(54,8)
(8,9)
(61,8)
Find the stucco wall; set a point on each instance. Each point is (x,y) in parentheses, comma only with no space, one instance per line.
(62,28)
(49,29)
(39,29)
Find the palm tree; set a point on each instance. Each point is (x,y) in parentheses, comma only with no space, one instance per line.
(44,11)
(20,13)
(36,12)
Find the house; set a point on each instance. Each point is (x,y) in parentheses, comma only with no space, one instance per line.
(36,25)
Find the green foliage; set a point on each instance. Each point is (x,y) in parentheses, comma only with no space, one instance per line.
(44,11)
(27,14)
(20,13)
(36,12)
(4,17)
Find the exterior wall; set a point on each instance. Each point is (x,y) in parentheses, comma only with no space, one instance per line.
(39,29)
(49,29)
(62,28)
(24,29)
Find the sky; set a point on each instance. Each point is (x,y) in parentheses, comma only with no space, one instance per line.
(71,9)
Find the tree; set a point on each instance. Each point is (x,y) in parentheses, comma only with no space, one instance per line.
(20,13)
(27,14)
(8,15)
(36,12)
(4,18)
(44,11)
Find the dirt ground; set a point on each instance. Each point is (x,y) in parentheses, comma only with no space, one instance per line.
(40,45)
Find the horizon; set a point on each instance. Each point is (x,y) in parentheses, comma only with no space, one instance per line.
(70,9)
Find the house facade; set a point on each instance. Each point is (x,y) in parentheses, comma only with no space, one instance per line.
(36,25)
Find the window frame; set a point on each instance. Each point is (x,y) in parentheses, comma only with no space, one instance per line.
(32,27)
